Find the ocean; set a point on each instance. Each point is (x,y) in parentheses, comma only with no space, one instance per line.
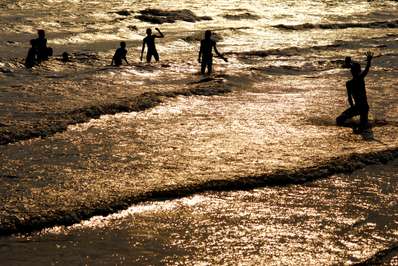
(255,142)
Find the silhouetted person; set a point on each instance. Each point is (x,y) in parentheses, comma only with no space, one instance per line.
(149,41)
(31,58)
(43,52)
(120,55)
(206,53)
(356,93)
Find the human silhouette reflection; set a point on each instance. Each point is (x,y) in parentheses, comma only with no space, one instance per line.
(149,41)
(206,53)
(356,94)
(120,54)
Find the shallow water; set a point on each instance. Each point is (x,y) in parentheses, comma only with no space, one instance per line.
(287,87)
(341,220)
(90,31)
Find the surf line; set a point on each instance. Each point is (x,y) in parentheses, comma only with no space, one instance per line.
(339,165)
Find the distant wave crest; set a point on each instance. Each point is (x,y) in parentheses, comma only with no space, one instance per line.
(309,26)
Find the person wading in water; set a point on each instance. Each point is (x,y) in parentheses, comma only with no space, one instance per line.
(206,53)
(149,41)
(120,55)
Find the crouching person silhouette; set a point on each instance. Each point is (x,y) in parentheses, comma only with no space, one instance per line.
(356,94)
(120,54)
(31,58)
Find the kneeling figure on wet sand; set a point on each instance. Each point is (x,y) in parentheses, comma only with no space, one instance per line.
(356,94)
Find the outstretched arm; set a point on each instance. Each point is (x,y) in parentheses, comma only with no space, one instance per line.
(161,34)
(369,57)
(142,50)
(218,53)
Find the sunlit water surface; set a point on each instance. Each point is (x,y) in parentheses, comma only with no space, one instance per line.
(341,220)
(281,116)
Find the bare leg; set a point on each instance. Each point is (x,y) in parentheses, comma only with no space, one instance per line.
(347,114)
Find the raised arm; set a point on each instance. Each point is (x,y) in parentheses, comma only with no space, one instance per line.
(161,34)
(218,53)
(142,50)
(369,57)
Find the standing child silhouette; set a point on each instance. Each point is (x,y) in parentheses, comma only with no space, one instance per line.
(149,41)
(206,53)
(43,52)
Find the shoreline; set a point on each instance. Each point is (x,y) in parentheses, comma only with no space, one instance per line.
(339,165)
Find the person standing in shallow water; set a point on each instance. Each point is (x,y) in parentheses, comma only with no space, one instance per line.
(206,53)
(356,94)
(120,55)
(43,52)
(149,41)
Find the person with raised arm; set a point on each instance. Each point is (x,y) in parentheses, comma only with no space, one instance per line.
(149,41)
(356,94)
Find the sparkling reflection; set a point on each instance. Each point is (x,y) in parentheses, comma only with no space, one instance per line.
(341,220)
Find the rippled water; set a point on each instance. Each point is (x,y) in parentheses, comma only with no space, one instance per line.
(96,23)
(341,220)
(91,30)
(287,86)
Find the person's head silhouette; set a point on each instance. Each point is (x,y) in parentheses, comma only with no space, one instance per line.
(41,33)
(123,44)
(208,34)
(355,69)
(148,32)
